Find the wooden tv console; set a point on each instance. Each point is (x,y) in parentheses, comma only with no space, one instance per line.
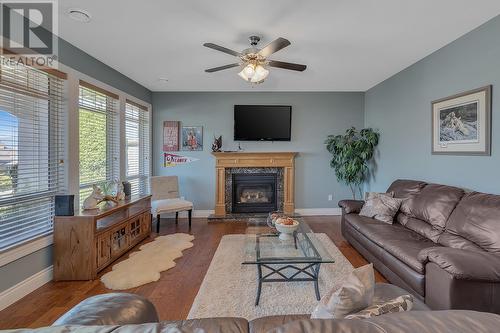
(86,243)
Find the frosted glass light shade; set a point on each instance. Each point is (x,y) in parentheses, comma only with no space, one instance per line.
(249,70)
(243,76)
(260,74)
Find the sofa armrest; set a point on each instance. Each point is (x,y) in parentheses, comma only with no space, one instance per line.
(351,206)
(464,264)
(110,309)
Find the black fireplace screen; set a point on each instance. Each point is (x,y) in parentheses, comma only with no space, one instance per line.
(254,193)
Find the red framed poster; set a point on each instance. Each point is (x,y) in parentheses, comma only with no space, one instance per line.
(170,136)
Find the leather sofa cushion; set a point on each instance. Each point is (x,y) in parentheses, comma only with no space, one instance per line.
(403,188)
(221,324)
(464,264)
(419,226)
(434,204)
(396,271)
(399,241)
(477,219)
(265,324)
(451,321)
(457,242)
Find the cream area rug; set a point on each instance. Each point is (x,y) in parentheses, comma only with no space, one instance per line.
(229,288)
(145,265)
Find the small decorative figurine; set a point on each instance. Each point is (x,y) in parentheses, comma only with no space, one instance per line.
(94,199)
(120,193)
(217,145)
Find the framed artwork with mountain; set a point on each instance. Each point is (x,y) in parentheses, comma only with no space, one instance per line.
(461,124)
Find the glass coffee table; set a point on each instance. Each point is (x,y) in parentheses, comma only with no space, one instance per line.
(297,259)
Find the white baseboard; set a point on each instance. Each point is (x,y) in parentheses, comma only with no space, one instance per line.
(301,211)
(318,211)
(23,288)
(196,213)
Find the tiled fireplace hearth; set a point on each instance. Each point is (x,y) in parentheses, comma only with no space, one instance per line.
(254,182)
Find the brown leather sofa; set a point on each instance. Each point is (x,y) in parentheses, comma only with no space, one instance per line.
(128,313)
(444,245)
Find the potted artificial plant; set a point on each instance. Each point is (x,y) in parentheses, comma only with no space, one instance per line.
(351,153)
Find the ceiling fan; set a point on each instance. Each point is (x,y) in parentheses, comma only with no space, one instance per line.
(255,60)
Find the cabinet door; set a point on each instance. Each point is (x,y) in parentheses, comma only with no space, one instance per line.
(120,239)
(135,229)
(146,223)
(103,247)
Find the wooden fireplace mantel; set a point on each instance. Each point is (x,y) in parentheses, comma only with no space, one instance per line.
(285,160)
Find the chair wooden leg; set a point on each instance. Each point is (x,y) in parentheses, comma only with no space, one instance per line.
(176,218)
(158,223)
(189,217)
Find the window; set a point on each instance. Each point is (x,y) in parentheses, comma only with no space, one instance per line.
(31,151)
(137,147)
(98,135)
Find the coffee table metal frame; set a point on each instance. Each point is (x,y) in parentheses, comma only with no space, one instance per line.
(305,269)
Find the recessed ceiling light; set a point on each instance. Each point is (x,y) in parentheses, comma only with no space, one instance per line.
(79,15)
(163,79)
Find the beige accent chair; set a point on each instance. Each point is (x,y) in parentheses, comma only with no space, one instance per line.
(165,199)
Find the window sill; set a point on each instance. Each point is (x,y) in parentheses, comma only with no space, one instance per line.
(23,250)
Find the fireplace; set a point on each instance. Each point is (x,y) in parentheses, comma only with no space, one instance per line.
(228,164)
(254,192)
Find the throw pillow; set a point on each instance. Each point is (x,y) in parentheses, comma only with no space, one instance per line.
(356,293)
(398,304)
(381,206)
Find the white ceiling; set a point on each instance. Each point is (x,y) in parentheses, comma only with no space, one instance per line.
(347,45)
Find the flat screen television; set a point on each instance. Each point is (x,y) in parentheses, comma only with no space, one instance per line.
(262,122)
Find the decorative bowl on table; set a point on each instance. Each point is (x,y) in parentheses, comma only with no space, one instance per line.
(286,227)
(272,217)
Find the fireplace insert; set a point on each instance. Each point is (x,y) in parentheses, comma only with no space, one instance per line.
(254,193)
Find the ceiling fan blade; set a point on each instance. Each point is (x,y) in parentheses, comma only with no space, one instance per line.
(222,49)
(274,46)
(220,68)
(287,65)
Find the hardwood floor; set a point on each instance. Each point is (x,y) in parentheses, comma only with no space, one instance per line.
(174,293)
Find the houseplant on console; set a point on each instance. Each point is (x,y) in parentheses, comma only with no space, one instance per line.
(351,153)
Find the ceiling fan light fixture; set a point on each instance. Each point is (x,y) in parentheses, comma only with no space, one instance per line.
(243,75)
(261,74)
(249,70)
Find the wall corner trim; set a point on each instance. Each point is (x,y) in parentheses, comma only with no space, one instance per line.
(23,288)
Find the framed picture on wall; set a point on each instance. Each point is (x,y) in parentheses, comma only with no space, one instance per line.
(170,136)
(461,124)
(192,138)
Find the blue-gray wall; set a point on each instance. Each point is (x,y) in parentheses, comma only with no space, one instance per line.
(400,108)
(79,60)
(71,56)
(314,116)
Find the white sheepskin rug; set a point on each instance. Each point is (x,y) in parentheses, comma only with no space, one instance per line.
(229,288)
(145,265)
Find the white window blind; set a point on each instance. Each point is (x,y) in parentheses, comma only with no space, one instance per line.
(98,137)
(137,147)
(31,151)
